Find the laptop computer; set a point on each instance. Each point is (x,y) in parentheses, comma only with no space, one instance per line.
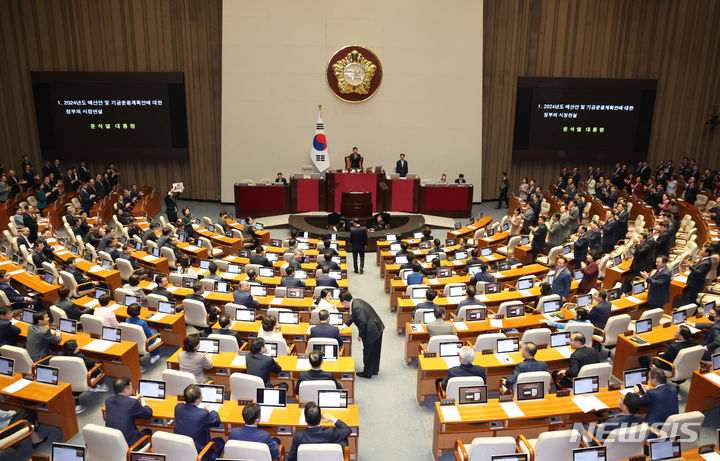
(525,283)
(288,318)
(151,389)
(27,316)
(258,290)
(715,362)
(46,374)
(418,293)
(510,457)
(68,326)
(7,366)
(583,300)
(165,307)
(664,449)
(679,317)
(472,395)
(222,286)
(210,346)
(332,399)
(269,398)
(212,395)
(633,377)
(551,306)
(295,293)
(586,385)
(428,316)
(329,351)
(514,311)
(336,318)
(507,345)
(67,452)
(492,288)
(111,334)
(444,272)
(101,291)
(589,454)
(476,314)
(560,339)
(245,315)
(643,326)
(638,287)
(530,391)
(456,290)
(234,269)
(141,456)
(130,299)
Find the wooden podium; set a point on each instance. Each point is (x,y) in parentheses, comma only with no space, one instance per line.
(356,205)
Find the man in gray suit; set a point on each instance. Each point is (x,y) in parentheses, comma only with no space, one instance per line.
(40,337)
(564,221)
(439,326)
(554,232)
(574,213)
(527,365)
(243,297)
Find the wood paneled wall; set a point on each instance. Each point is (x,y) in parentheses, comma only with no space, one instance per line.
(119,36)
(676,42)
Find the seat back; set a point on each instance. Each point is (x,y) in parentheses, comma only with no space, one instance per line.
(104,443)
(23,362)
(227,343)
(57,314)
(689,309)
(625,442)
(205,243)
(687,361)
(254,451)
(502,310)
(320,452)
(174,446)
(691,424)
(587,329)
(553,254)
(230,309)
(280,292)
(135,334)
(120,294)
(533,377)
(124,267)
(195,313)
(175,279)
(50,268)
(543,299)
(602,264)
(488,341)
(91,249)
(420,314)
(308,390)
(536,335)
(454,384)
(512,243)
(170,255)
(244,386)
(176,381)
(409,289)
(616,325)
(601,370)
(312,342)
(69,281)
(92,325)
(208,284)
(434,342)
(556,445)
(72,370)
(655,314)
(153,300)
(484,448)
(282,347)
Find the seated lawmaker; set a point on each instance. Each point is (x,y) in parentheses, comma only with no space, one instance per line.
(628,405)
(324,301)
(195,422)
(123,408)
(466,367)
(249,432)
(193,361)
(683,339)
(133,311)
(242,296)
(316,373)
(581,316)
(527,365)
(429,304)
(224,323)
(439,326)
(259,363)
(17,300)
(471,300)
(259,258)
(317,434)
(72,349)
(105,312)
(267,328)
(483,276)
(582,355)
(291,281)
(325,330)
(416,276)
(197,295)
(712,337)
(9,333)
(660,398)
(325,280)
(40,337)
(133,286)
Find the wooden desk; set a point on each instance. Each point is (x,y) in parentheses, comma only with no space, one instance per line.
(704,394)
(475,419)
(468,231)
(58,404)
(495,241)
(110,277)
(283,422)
(152,263)
(193,251)
(434,368)
(343,369)
(30,282)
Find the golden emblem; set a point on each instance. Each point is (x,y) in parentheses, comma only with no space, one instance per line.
(354,73)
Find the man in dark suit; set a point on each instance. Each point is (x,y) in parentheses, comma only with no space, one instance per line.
(582,355)
(538,241)
(243,297)
(527,365)
(259,258)
(563,279)
(195,422)
(291,280)
(325,330)
(197,295)
(503,191)
(358,242)
(696,277)
(643,255)
(460,179)
(9,333)
(370,331)
(261,365)
(712,337)
(429,303)
(122,409)
(72,310)
(600,312)
(280,180)
(595,237)
(161,281)
(325,280)
(610,233)
(628,406)
(661,401)
(355,158)
(23,238)
(317,434)
(17,300)
(662,242)
(466,367)
(31,223)
(401,166)
(316,373)
(658,283)
(555,232)
(150,233)
(473,260)
(224,322)
(683,339)
(483,276)
(77,274)
(326,261)
(581,244)
(250,432)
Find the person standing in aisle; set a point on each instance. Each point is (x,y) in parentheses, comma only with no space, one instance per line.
(358,241)
(370,330)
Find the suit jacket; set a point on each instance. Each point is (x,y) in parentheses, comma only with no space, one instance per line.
(659,287)
(464,369)
(39,339)
(316,375)
(698,271)
(401,167)
(525,366)
(325,330)
(121,412)
(581,248)
(643,258)
(561,284)
(661,402)
(326,281)
(596,240)
(158,290)
(234,334)
(674,349)
(245,299)
(662,243)
(440,327)
(712,337)
(72,310)
(149,235)
(22,240)
(318,434)
(482,277)
(358,238)
(253,434)
(261,260)
(292,282)
(555,234)
(12,294)
(195,422)
(539,234)
(77,275)
(370,326)
(583,356)
(261,365)
(620,421)
(599,314)
(8,333)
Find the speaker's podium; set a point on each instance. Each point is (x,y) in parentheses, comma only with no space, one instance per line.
(356,204)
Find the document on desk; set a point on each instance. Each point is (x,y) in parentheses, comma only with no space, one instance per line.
(712,456)
(95,269)
(526,293)
(303,364)
(265,413)
(681,278)
(238,361)
(633,299)
(16,386)
(693,330)
(98,345)
(62,252)
(92,303)
(151,286)
(490,258)
(213,406)
(206,293)
(452,361)
(454,299)
(496,323)
(512,409)
(19,271)
(504,358)
(172,289)
(433,281)
(450,413)
(460,326)
(192,248)
(483,298)
(565,351)
(458,262)
(276,301)
(714,377)
(497,275)
(417,328)
(14,321)
(157,317)
(588,403)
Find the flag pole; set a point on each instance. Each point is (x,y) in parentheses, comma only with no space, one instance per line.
(320,109)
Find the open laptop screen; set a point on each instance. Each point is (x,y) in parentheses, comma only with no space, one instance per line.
(47,375)
(7,366)
(450,348)
(211,346)
(67,452)
(506,345)
(271,397)
(470,395)
(560,339)
(332,399)
(634,377)
(530,391)
(476,314)
(663,449)
(589,454)
(151,389)
(586,385)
